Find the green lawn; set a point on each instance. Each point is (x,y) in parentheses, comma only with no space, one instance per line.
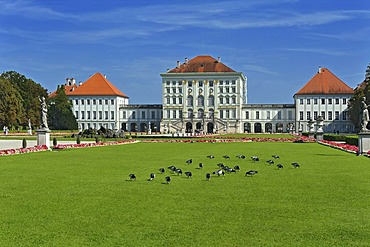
(83,197)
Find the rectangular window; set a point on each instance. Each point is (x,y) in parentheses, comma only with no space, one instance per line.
(227,114)
(336,114)
(221,114)
(221,100)
(268,115)
(88,102)
(323,101)
(227,100)
(133,115)
(180,89)
(143,114)
(301,115)
(221,82)
(227,82)
(174,114)
(82,115)
(233,100)
(82,102)
(106,114)
(168,100)
(76,101)
(308,115)
(180,114)
(279,115)
(344,101)
(233,89)
(112,115)
(301,101)
(200,83)
(173,90)
(180,100)
(221,89)
(100,115)
(315,115)
(124,115)
(94,114)
(257,115)
(173,83)
(167,90)
(106,102)
(290,115)
(330,101)
(211,83)
(308,101)
(345,115)
(323,115)
(174,100)
(112,101)
(76,114)
(330,115)
(190,83)
(233,115)
(315,101)
(100,102)
(233,82)
(168,83)
(227,90)
(94,101)
(247,115)
(337,101)
(153,114)
(88,115)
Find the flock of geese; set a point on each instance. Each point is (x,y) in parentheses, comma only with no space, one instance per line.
(221,171)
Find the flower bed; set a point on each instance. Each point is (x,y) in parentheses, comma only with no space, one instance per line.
(341,146)
(23,150)
(92,144)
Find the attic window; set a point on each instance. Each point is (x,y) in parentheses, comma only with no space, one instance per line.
(202,65)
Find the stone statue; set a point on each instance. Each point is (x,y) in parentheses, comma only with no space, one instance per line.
(43,113)
(365,115)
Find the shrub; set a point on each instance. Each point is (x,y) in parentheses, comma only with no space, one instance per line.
(335,138)
(352,140)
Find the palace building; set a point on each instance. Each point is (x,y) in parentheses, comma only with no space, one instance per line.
(203,95)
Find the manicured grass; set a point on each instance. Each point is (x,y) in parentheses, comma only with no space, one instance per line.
(83,197)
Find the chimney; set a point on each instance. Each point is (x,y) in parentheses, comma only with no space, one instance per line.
(105,76)
(320,70)
(186,60)
(219,59)
(178,64)
(168,70)
(80,83)
(73,81)
(67,82)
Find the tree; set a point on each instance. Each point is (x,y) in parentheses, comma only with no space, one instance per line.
(354,104)
(11,105)
(30,92)
(60,115)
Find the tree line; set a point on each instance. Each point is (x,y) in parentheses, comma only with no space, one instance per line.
(19,104)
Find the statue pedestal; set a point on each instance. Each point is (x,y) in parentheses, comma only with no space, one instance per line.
(43,137)
(363,142)
(319,136)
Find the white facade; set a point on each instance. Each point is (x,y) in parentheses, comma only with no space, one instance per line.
(333,109)
(268,118)
(97,111)
(202,102)
(140,118)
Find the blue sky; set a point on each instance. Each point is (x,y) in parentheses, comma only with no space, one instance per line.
(277,44)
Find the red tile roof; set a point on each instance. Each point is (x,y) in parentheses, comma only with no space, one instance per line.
(201,64)
(325,82)
(67,89)
(97,85)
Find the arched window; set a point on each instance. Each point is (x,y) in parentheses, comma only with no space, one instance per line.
(211,100)
(190,113)
(189,101)
(211,113)
(200,113)
(200,100)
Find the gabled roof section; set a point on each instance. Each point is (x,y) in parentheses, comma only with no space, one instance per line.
(325,82)
(67,89)
(96,85)
(201,64)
